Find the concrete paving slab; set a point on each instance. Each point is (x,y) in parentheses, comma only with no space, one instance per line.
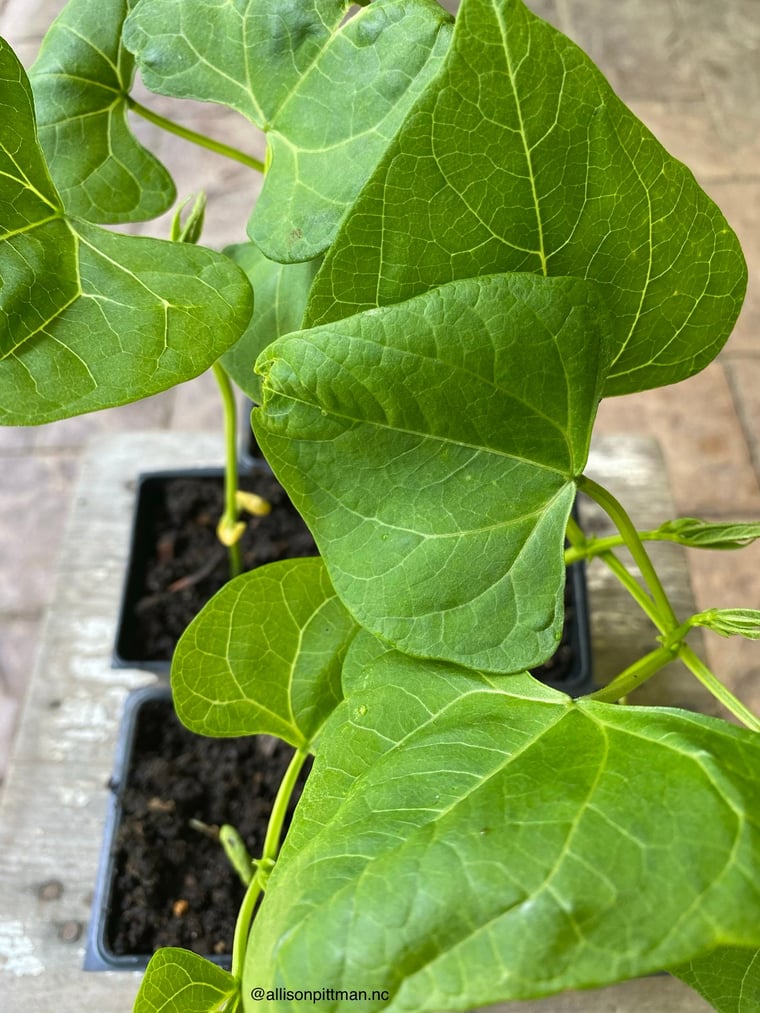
(744,375)
(739,200)
(9,707)
(33,510)
(198,405)
(708,460)
(686,130)
(643,48)
(19,639)
(28,20)
(72,434)
(725,47)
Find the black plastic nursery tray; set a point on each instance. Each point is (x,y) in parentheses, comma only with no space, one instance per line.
(176,562)
(162,881)
(569,669)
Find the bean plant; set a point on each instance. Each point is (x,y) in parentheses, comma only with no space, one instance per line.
(464,241)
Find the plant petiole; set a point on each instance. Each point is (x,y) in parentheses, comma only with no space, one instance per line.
(230,528)
(635,675)
(578,543)
(630,535)
(657,608)
(265,864)
(195,138)
(698,668)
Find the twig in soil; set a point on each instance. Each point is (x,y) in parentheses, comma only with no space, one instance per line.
(190,579)
(208,830)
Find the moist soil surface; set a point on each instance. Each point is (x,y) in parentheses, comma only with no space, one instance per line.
(173,885)
(179,562)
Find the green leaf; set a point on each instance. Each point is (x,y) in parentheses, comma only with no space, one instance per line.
(464,840)
(281,293)
(699,534)
(432,448)
(729,978)
(730,622)
(523,159)
(329,94)
(264,655)
(190,229)
(179,981)
(88,318)
(81,80)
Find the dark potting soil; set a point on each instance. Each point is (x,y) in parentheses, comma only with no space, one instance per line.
(185,564)
(173,885)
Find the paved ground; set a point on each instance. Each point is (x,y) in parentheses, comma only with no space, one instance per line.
(691,70)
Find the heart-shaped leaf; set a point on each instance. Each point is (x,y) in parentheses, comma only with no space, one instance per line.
(281,294)
(523,159)
(81,80)
(179,981)
(283,66)
(264,655)
(464,840)
(88,318)
(729,978)
(432,448)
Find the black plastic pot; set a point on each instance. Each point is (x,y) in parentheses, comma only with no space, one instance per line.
(161,880)
(99,953)
(570,668)
(158,529)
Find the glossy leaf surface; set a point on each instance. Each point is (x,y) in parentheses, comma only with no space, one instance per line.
(281,294)
(729,978)
(329,95)
(521,158)
(432,449)
(464,840)
(81,80)
(179,981)
(264,655)
(89,318)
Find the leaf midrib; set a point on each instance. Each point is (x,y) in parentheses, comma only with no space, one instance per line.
(267,390)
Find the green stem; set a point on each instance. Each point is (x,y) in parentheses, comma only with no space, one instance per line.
(243,925)
(631,537)
(634,675)
(657,607)
(596,546)
(578,542)
(230,515)
(695,665)
(195,138)
(280,807)
(264,864)
(635,590)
